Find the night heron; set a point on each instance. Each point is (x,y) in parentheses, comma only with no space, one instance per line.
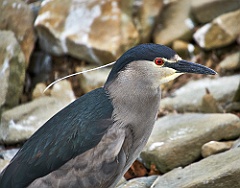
(93,141)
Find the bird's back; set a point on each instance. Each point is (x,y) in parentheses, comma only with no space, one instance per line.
(72,131)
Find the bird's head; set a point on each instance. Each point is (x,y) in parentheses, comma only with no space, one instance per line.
(155,63)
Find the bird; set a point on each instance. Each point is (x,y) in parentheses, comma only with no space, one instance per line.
(94,140)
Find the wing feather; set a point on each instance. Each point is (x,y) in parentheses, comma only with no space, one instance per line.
(77,128)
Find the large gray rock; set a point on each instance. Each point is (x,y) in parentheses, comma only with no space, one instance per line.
(176,140)
(218,171)
(189,96)
(175,23)
(147,13)
(89,30)
(19,123)
(221,32)
(12,70)
(206,10)
(16,16)
(231,62)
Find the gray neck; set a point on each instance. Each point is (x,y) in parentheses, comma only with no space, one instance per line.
(135,101)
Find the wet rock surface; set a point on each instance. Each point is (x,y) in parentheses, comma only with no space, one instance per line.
(176,140)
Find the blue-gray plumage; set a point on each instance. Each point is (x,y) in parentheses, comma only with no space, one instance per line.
(93,141)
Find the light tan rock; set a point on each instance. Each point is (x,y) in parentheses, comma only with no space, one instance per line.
(3,164)
(63,91)
(94,79)
(206,10)
(16,16)
(214,147)
(184,49)
(231,62)
(39,90)
(221,32)
(175,23)
(209,104)
(89,30)
(146,14)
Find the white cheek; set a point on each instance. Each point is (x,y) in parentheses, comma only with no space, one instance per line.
(170,77)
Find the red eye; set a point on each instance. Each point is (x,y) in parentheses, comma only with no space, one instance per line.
(159,61)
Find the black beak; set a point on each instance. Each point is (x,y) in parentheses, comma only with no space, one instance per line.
(183,66)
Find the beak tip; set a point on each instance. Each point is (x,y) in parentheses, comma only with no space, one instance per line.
(213,72)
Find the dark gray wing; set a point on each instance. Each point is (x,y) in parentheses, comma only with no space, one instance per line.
(72,131)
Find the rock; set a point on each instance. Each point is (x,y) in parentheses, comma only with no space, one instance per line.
(176,140)
(189,96)
(233,107)
(175,23)
(63,90)
(146,13)
(236,144)
(236,97)
(143,182)
(221,32)
(209,104)
(92,31)
(137,169)
(214,147)
(12,63)
(218,171)
(94,79)
(39,91)
(35,6)
(22,26)
(231,62)
(3,164)
(121,182)
(8,154)
(19,123)
(206,10)
(184,49)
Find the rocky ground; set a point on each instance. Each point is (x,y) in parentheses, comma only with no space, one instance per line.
(195,141)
